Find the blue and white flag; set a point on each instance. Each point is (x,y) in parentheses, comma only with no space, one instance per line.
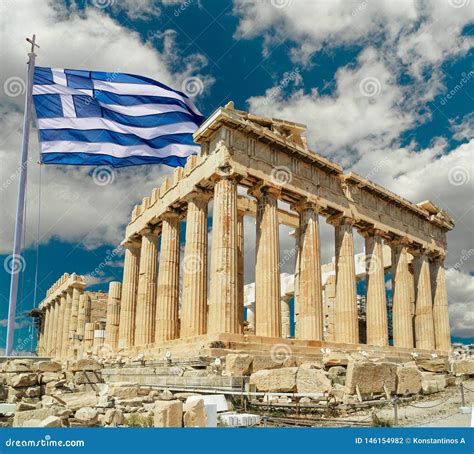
(100,118)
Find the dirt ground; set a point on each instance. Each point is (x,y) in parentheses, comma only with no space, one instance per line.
(436,410)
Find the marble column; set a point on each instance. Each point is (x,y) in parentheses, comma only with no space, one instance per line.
(346,323)
(223,295)
(66,322)
(128,299)
(81,321)
(402,281)
(330,308)
(309,295)
(60,324)
(41,333)
(51,348)
(47,323)
(440,305)
(267,264)
(285,317)
(376,300)
(113,315)
(194,300)
(240,266)
(88,336)
(424,329)
(146,293)
(167,299)
(76,293)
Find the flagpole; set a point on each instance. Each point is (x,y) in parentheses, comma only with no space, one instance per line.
(16,259)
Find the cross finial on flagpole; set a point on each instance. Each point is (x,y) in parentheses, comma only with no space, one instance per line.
(32,41)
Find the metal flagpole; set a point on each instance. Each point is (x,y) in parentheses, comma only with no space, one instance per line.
(16,261)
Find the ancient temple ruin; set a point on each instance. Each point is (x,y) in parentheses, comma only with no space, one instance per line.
(269,160)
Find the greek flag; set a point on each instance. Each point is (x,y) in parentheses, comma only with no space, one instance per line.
(101,118)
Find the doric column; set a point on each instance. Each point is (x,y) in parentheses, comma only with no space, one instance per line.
(129,296)
(240,265)
(223,296)
(285,317)
(251,318)
(167,300)
(267,265)
(146,293)
(440,305)
(47,322)
(330,308)
(98,339)
(66,322)
(76,293)
(60,324)
(113,315)
(88,336)
(52,327)
(346,323)
(194,300)
(402,281)
(377,319)
(424,330)
(309,295)
(79,336)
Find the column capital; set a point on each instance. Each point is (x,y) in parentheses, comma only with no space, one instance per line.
(149,230)
(399,241)
(340,219)
(131,243)
(264,188)
(169,215)
(370,231)
(198,194)
(306,204)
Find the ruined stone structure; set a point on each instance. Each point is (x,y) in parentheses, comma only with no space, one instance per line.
(269,159)
(65,316)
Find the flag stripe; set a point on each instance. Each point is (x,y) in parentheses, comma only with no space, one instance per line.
(85,124)
(118,151)
(88,159)
(103,136)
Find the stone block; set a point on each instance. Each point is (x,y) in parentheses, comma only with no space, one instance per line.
(265,362)
(50,421)
(48,366)
(275,380)
(22,417)
(85,364)
(48,377)
(335,359)
(87,415)
(311,365)
(33,391)
(463,367)
(433,365)
(113,416)
(23,380)
(87,377)
(123,390)
(337,375)
(432,383)
(312,381)
(18,366)
(370,377)
(195,414)
(168,413)
(408,380)
(75,401)
(238,365)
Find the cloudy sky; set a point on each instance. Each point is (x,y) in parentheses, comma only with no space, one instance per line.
(386,89)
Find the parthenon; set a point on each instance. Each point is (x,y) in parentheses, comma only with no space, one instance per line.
(155,310)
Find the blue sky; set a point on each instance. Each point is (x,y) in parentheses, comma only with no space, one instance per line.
(386,89)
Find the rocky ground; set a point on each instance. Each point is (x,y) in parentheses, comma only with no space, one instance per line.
(340,386)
